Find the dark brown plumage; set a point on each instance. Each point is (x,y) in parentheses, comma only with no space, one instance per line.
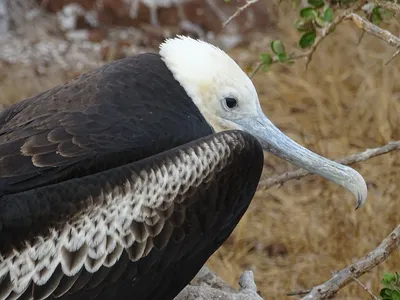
(102,119)
(79,161)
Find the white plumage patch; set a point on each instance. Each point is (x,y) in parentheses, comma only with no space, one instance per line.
(133,218)
(209,75)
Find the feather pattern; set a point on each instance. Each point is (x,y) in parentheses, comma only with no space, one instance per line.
(120,113)
(83,228)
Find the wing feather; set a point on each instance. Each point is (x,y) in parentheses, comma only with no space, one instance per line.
(106,118)
(128,230)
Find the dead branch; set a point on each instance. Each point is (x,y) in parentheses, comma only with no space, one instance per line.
(374,30)
(206,291)
(365,289)
(298,293)
(355,158)
(355,270)
(239,11)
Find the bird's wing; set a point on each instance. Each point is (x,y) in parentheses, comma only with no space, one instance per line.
(167,214)
(122,112)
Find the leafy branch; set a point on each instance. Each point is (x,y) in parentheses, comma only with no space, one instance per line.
(320,18)
(391,290)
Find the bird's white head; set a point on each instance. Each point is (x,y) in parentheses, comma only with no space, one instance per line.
(217,85)
(227,99)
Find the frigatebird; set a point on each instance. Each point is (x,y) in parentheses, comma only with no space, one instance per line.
(122,183)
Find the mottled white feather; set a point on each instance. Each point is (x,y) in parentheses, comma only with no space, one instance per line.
(121,223)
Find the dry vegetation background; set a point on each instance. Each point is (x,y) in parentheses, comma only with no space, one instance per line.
(295,236)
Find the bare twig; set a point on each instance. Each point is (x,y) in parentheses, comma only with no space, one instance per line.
(358,157)
(239,11)
(298,293)
(355,270)
(374,30)
(365,288)
(393,56)
(378,32)
(275,59)
(257,68)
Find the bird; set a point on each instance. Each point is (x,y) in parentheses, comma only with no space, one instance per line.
(122,182)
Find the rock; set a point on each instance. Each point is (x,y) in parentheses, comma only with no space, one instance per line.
(203,288)
(203,18)
(3,17)
(97,34)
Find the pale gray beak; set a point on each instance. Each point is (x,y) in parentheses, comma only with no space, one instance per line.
(277,143)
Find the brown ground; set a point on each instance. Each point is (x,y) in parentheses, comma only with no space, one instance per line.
(294,237)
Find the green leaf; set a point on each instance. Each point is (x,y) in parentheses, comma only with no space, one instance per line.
(397,279)
(307,39)
(376,17)
(308,13)
(385,13)
(266,59)
(316,3)
(304,26)
(385,292)
(277,47)
(282,57)
(328,15)
(227,1)
(388,279)
(265,68)
(395,295)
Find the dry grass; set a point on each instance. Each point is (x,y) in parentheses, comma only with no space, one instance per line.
(294,237)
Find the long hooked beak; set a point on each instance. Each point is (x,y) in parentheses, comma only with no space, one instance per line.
(277,143)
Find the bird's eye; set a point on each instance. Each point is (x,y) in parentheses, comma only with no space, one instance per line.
(230,102)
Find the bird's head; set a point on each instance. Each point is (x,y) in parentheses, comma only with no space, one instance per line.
(227,99)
